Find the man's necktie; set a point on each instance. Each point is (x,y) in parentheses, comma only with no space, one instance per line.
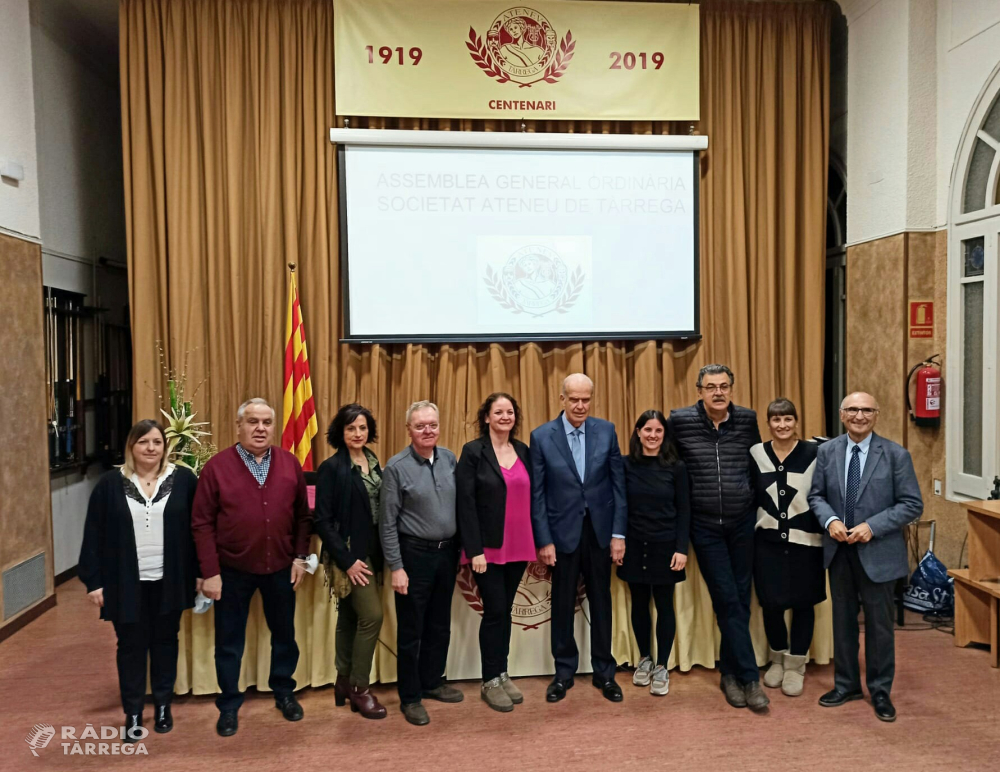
(576,447)
(853,483)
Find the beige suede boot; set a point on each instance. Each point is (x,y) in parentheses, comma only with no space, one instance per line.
(774,674)
(795,674)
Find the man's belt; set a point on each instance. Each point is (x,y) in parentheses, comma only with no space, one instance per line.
(427,544)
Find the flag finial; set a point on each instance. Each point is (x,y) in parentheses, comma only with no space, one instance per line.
(291,267)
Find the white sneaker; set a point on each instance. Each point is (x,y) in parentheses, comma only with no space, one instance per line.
(660,681)
(643,672)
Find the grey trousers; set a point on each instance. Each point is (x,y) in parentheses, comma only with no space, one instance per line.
(848,581)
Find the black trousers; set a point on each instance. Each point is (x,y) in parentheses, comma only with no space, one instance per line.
(231,614)
(423,618)
(593,562)
(803,621)
(642,623)
(498,588)
(848,581)
(154,634)
(725,556)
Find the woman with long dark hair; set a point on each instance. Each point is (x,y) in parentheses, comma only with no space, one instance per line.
(659,517)
(493,503)
(139,566)
(348,487)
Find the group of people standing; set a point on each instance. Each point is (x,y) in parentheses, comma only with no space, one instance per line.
(774,515)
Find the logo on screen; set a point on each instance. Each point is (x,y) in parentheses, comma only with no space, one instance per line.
(533,601)
(535,281)
(521,47)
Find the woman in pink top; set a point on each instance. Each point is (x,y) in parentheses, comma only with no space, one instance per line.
(493,489)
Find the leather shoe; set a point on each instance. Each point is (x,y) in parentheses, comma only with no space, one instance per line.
(557,689)
(289,707)
(133,725)
(756,699)
(735,694)
(227,724)
(366,703)
(835,698)
(164,719)
(444,693)
(609,689)
(415,713)
(884,709)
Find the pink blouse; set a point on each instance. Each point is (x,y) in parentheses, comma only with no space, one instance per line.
(518,541)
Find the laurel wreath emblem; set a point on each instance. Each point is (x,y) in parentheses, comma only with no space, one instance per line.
(470,592)
(572,291)
(499,292)
(570,294)
(484,59)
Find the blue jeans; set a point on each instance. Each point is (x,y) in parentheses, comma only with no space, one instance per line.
(725,556)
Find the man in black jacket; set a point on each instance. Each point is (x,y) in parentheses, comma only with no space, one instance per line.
(715,437)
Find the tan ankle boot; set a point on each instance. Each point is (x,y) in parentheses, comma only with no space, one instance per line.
(774,674)
(795,673)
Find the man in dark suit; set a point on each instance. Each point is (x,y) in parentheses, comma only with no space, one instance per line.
(577,511)
(864,492)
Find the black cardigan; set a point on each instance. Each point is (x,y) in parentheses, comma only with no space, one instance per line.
(344,511)
(108,557)
(481,495)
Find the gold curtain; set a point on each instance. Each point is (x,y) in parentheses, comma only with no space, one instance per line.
(229,176)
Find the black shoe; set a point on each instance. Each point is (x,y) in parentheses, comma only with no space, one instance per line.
(415,713)
(835,698)
(444,693)
(609,688)
(289,707)
(227,724)
(558,688)
(133,728)
(164,719)
(884,709)
(755,697)
(735,693)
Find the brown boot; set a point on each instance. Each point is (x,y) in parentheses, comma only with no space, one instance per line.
(366,703)
(341,690)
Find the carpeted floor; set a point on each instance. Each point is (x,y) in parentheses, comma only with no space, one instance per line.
(60,670)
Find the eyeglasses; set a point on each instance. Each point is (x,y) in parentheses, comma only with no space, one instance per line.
(722,388)
(867,412)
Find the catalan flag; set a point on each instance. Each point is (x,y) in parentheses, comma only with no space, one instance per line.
(298,415)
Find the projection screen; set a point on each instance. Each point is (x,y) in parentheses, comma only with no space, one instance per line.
(464,243)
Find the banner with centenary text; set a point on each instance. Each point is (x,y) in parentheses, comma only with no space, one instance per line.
(487,59)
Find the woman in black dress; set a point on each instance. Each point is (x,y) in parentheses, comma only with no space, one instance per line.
(659,517)
(788,546)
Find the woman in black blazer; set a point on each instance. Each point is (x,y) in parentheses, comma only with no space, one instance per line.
(139,566)
(348,486)
(493,502)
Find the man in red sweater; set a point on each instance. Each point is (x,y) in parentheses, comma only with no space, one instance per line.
(251,524)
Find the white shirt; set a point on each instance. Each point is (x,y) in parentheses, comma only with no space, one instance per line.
(147,522)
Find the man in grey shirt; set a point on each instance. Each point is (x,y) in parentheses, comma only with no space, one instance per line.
(418,531)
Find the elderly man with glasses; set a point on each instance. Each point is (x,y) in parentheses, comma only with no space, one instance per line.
(714,437)
(864,493)
(418,528)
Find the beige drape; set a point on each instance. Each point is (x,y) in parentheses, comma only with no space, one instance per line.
(229,175)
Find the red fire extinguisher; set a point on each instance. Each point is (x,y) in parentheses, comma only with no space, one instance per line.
(927,395)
